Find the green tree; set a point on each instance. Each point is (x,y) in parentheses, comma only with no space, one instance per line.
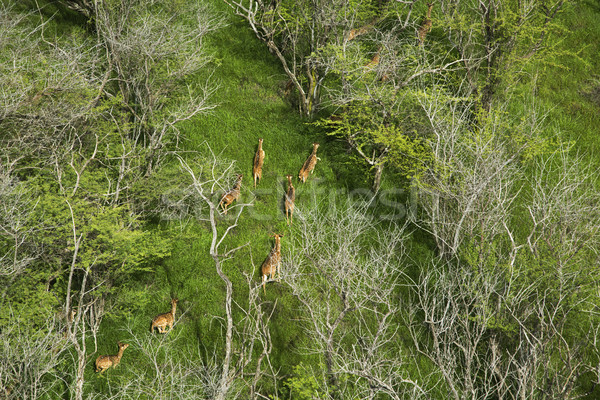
(497,39)
(298,32)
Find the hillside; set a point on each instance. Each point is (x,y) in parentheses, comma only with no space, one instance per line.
(471,272)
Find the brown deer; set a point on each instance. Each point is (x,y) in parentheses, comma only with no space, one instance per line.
(359,31)
(161,321)
(272,264)
(105,362)
(259,158)
(231,195)
(290,197)
(425,25)
(309,164)
(375,62)
(363,29)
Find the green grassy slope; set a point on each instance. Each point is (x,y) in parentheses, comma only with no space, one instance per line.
(251,107)
(570,89)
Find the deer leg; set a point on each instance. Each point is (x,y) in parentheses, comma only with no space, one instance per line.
(279,272)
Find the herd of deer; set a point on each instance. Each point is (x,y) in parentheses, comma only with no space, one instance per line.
(270,267)
(272,264)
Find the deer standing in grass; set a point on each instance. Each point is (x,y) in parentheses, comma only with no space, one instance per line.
(290,197)
(309,164)
(161,321)
(231,195)
(105,362)
(272,264)
(425,25)
(259,158)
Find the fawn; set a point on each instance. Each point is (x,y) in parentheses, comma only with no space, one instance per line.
(161,321)
(309,164)
(231,195)
(290,197)
(105,362)
(272,264)
(259,158)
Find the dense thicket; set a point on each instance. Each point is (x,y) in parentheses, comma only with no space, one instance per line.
(468,270)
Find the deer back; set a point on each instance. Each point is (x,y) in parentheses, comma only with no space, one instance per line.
(269,266)
(234,193)
(163,319)
(290,195)
(309,164)
(259,157)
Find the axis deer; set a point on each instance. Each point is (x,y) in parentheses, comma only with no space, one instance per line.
(425,25)
(309,164)
(375,60)
(105,362)
(161,321)
(290,197)
(259,158)
(272,264)
(363,29)
(360,31)
(371,65)
(231,195)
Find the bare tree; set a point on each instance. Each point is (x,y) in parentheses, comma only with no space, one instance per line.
(493,335)
(468,188)
(87,315)
(113,99)
(28,361)
(299,32)
(38,111)
(149,56)
(345,273)
(170,368)
(514,317)
(249,337)
(495,39)
(16,214)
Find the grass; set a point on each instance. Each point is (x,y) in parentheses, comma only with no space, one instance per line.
(568,92)
(250,106)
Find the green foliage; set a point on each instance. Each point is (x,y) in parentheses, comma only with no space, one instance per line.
(304,384)
(400,141)
(144,247)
